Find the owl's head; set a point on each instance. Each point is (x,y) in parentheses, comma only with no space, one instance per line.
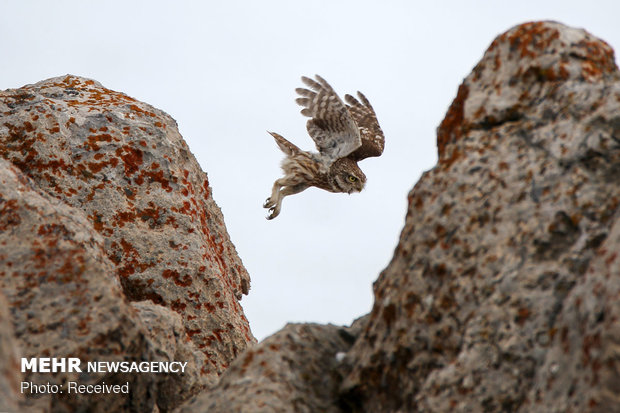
(346,176)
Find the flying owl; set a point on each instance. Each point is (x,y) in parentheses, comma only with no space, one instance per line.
(343,133)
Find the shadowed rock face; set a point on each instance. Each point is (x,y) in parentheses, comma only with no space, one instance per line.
(294,370)
(102,204)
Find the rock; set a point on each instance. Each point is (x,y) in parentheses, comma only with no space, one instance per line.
(144,206)
(580,371)
(65,299)
(166,330)
(502,294)
(292,370)
(10,375)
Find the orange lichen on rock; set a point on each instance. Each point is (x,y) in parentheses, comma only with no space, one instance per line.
(502,286)
(125,167)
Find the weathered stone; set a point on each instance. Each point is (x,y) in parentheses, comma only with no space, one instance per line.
(125,164)
(10,375)
(581,368)
(294,370)
(502,293)
(65,299)
(166,330)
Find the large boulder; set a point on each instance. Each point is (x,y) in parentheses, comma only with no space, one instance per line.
(101,195)
(502,294)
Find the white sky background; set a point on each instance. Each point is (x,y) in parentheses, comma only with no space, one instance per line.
(227,70)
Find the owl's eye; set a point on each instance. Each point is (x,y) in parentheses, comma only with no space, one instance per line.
(352,178)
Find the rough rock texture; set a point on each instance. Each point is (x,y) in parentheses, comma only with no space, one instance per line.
(133,219)
(294,370)
(502,294)
(10,375)
(64,299)
(166,330)
(581,371)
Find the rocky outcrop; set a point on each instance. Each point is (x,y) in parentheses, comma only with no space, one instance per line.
(502,293)
(112,245)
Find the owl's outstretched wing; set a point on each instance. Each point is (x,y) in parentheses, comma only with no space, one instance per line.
(331,126)
(373,140)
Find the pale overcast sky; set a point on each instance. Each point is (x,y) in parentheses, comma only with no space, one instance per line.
(227,70)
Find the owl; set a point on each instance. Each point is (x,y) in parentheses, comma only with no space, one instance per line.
(343,134)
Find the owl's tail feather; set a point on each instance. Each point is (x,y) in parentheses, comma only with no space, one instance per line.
(286,147)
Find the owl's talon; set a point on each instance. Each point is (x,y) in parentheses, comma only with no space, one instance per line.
(274,211)
(268,203)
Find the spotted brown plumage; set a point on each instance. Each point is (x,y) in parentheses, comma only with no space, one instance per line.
(344,133)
